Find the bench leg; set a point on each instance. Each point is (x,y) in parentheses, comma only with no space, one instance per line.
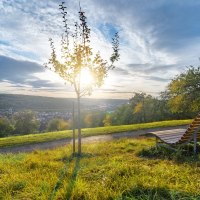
(156,142)
(195,143)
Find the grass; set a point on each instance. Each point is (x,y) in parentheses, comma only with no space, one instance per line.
(120,170)
(51,136)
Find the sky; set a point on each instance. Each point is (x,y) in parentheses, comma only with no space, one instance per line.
(158,40)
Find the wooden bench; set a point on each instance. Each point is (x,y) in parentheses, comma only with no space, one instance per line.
(179,136)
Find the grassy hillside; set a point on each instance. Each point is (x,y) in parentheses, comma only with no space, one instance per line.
(43,137)
(108,170)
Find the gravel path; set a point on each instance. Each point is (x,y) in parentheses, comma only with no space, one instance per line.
(91,139)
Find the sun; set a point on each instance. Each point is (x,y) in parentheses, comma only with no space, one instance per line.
(86,77)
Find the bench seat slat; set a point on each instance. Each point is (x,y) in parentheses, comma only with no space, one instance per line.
(171,137)
(171,141)
(187,137)
(168,135)
(176,136)
(179,136)
(168,131)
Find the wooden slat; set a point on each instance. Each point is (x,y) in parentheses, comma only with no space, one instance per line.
(194,126)
(179,135)
(187,137)
(170,134)
(191,133)
(196,122)
(171,141)
(188,133)
(190,130)
(171,137)
(168,131)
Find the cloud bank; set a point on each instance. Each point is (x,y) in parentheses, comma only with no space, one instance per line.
(158,39)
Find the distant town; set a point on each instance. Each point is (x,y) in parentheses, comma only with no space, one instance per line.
(46,109)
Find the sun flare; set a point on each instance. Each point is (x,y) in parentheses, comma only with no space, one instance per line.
(86,77)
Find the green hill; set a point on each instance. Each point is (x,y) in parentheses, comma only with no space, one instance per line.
(39,103)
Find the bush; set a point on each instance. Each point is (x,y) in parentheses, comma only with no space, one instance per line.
(26,122)
(57,125)
(182,154)
(6,127)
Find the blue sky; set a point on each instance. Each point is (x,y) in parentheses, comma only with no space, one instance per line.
(158,40)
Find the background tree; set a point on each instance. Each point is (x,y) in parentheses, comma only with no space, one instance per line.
(78,57)
(92,118)
(57,125)
(6,128)
(87,120)
(26,122)
(107,120)
(142,108)
(183,92)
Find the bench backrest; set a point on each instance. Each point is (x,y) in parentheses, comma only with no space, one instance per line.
(191,129)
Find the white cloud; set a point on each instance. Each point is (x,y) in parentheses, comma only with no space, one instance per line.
(148,36)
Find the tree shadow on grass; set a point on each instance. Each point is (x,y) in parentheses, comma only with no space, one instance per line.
(62,174)
(156,193)
(73,178)
(72,181)
(182,155)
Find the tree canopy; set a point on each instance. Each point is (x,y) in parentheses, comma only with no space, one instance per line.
(26,122)
(183,92)
(77,55)
(6,128)
(57,125)
(141,108)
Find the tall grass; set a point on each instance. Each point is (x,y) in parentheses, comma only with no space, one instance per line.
(108,170)
(51,136)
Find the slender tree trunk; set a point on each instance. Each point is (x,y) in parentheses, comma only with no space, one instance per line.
(73,129)
(79,124)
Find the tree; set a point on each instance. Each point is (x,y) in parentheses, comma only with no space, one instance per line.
(78,58)
(88,120)
(26,122)
(107,120)
(92,118)
(6,128)
(141,108)
(183,92)
(57,125)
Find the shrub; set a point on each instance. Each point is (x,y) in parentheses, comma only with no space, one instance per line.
(57,125)
(6,127)
(26,122)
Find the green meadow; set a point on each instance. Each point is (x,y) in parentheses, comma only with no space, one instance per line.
(52,136)
(120,169)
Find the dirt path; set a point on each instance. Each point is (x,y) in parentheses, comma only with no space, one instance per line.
(91,139)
